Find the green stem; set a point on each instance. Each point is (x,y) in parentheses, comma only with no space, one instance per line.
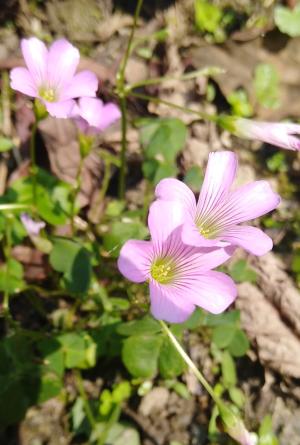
(209,71)
(76,191)
(16,207)
(80,387)
(123,147)
(190,364)
(121,91)
(33,161)
(200,114)
(8,246)
(121,74)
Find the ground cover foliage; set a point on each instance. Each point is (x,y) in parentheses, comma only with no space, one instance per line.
(82,361)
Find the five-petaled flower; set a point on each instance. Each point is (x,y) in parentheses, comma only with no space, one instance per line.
(93,116)
(179,276)
(215,218)
(50,76)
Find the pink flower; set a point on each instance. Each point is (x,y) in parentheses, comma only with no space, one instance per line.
(50,75)
(93,116)
(215,218)
(179,276)
(32,227)
(281,134)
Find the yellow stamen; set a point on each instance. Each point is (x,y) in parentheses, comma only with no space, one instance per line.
(48,94)
(162,270)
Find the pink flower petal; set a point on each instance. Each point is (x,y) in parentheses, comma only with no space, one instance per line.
(84,83)
(21,80)
(110,114)
(219,176)
(135,260)
(164,217)
(63,59)
(250,238)
(165,304)
(89,109)
(171,189)
(35,54)
(214,291)
(92,116)
(61,110)
(280,134)
(248,202)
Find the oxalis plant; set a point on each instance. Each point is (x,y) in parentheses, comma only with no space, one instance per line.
(189,239)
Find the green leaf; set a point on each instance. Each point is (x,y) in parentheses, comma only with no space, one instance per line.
(163,139)
(207,16)
(121,392)
(155,171)
(70,258)
(78,415)
(19,378)
(122,433)
(194,178)
(231,317)
(120,232)
(240,272)
(239,344)
(266,84)
(288,20)
(52,355)
(239,103)
(170,362)
(237,396)
(145,326)
(6,144)
(296,261)
(181,389)
(114,208)
(228,370)
(266,435)
(277,163)
(140,355)
(79,350)
(105,402)
(53,203)
(50,386)
(108,342)
(223,335)
(11,277)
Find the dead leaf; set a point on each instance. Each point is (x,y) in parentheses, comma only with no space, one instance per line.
(277,345)
(60,137)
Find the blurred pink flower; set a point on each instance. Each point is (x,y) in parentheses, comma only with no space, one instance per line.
(179,276)
(281,134)
(215,218)
(50,75)
(93,116)
(32,227)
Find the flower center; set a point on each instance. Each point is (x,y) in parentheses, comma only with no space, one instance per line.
(162,270)
(48,94)
(204,231)
(208,231)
